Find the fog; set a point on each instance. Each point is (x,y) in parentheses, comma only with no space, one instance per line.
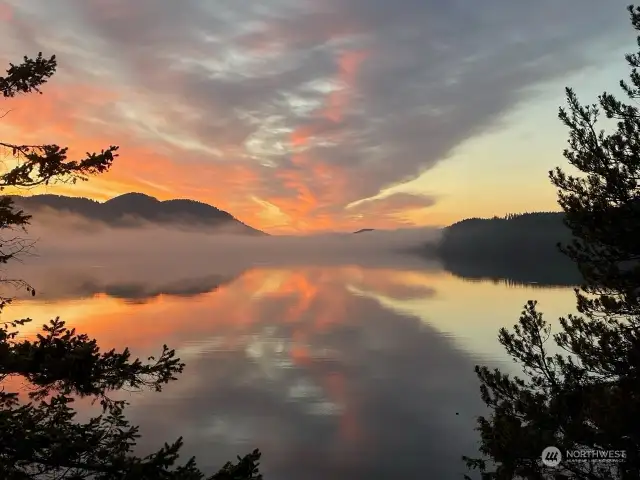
(63,237)
(73,254)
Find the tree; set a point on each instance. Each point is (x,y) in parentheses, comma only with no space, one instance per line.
(589,396)
(39,435)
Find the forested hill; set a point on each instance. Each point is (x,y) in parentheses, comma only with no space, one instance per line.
(529,232)
(133,208)
(512,246)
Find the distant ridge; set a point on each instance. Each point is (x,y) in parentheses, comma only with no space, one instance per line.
(362,230)
(522,247)
(131,209)
(527,235)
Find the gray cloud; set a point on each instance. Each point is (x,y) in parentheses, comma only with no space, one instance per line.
(235,78)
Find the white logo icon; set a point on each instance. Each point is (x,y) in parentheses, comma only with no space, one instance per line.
(551,457)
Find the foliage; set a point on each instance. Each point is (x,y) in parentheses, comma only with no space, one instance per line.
(518,247)
(588,397)
(39,435)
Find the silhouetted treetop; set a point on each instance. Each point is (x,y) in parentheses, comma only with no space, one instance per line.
(588,396)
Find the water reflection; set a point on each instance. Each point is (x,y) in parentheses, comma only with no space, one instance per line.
(338,372)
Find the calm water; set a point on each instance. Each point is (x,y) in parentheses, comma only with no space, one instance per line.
(334,372)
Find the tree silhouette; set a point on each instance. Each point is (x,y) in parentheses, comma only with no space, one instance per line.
(589,396)
(39,435)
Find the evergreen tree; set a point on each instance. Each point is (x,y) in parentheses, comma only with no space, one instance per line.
(39,435)
(588,397)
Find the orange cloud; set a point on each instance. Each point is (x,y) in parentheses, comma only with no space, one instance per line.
(397,208)
(6,12)
(349,64)
(307,197)
(58,116)
(301,135)
(329,182)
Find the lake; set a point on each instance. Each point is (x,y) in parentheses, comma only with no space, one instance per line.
(337,371)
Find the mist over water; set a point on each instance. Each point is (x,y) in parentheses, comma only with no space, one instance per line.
(60,233)
(69,241)
(339,356)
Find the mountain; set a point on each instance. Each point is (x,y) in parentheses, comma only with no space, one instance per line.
(362,230)
(131,209)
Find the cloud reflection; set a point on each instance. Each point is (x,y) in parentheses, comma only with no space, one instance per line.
(327,383)
(341,372)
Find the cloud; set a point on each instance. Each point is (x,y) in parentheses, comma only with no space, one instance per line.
(286,112)
(398,206)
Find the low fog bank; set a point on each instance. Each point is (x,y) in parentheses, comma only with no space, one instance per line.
(67,243)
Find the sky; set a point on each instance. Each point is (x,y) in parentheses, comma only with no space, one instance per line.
(310,116)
